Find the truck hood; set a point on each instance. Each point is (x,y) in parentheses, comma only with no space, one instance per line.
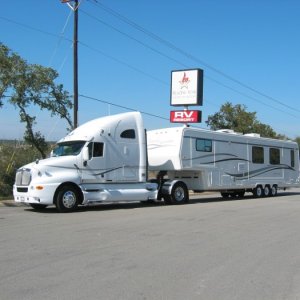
(53,162)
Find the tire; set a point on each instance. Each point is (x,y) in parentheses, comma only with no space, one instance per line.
(225,195)
(67,199)
(240,194)
(38,206)
(179,193)
(258,192)
(267,191)
(273,191)
(167,199)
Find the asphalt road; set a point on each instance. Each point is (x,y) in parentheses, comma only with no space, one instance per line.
(209,249)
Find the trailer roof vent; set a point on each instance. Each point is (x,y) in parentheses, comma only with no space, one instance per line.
(226,131)
(253,134)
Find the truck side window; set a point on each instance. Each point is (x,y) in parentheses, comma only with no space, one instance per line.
(274,156)
(128,134)
(95,150)
(204,145)
(258,155)
(98,150)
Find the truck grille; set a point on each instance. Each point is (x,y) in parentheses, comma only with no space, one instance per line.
(23,177)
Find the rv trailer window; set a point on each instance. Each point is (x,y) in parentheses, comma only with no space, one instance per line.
(274,156)
(292,158)
(258,155)
(204,145)
(95,150)
(128,134)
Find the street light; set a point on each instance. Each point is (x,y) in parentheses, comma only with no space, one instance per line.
(73,4)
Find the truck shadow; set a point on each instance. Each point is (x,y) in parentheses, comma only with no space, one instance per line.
(195,199)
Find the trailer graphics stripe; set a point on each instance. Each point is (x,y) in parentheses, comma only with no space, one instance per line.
(254,173)
(212,156)
(242,175)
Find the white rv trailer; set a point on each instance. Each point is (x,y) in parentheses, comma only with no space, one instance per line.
(224,161)
(106,160)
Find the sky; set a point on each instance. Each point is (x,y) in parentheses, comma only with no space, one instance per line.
(249,51)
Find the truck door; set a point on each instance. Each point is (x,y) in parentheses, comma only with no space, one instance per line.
(93,170)
(128,145)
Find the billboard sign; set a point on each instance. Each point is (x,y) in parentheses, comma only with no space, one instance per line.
(185,116)
(187,87)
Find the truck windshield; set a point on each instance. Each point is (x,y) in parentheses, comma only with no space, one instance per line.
(68,148)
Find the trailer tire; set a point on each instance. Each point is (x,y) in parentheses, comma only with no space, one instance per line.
(267,191)
(225,195)
(258,192)
(37,206)
(273,191)
(240,194)
(67,199)
(179,193)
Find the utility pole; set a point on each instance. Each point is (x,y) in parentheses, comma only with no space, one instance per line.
(74,6)
(75,63)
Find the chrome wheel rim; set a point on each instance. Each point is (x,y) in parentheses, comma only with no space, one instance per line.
(179,194)
(267,190)
(69,199)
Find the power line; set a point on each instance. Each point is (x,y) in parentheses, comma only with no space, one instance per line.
(134,39)
(136,69)
(123,63)
(188,55)
(35,29)
(60,39)
(172,59)
(123,107)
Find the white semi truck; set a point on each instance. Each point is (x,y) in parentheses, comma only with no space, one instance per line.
(108,159)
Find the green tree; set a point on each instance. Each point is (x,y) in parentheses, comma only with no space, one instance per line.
(12,157)
(297,140)
(237,118)
(32,85)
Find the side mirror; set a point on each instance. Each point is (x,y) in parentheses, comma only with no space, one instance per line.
(85,155)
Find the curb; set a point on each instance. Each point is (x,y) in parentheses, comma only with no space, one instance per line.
(9,203)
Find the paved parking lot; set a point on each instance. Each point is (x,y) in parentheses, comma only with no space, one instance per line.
(208,249)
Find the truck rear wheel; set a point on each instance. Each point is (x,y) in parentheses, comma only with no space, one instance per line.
(179,194)
(67,199)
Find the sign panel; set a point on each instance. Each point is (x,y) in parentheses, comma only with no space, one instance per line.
(187,87)
(185,116)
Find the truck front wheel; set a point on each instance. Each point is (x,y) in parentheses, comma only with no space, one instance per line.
(67,199)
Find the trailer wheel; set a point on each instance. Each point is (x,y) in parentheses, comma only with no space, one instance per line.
(240,194)
(179,193)
(267,191)
(225,195)
(67,199)
(274,190)
(258,191)
(38,206)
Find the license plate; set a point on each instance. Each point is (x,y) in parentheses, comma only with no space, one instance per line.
(22,199)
